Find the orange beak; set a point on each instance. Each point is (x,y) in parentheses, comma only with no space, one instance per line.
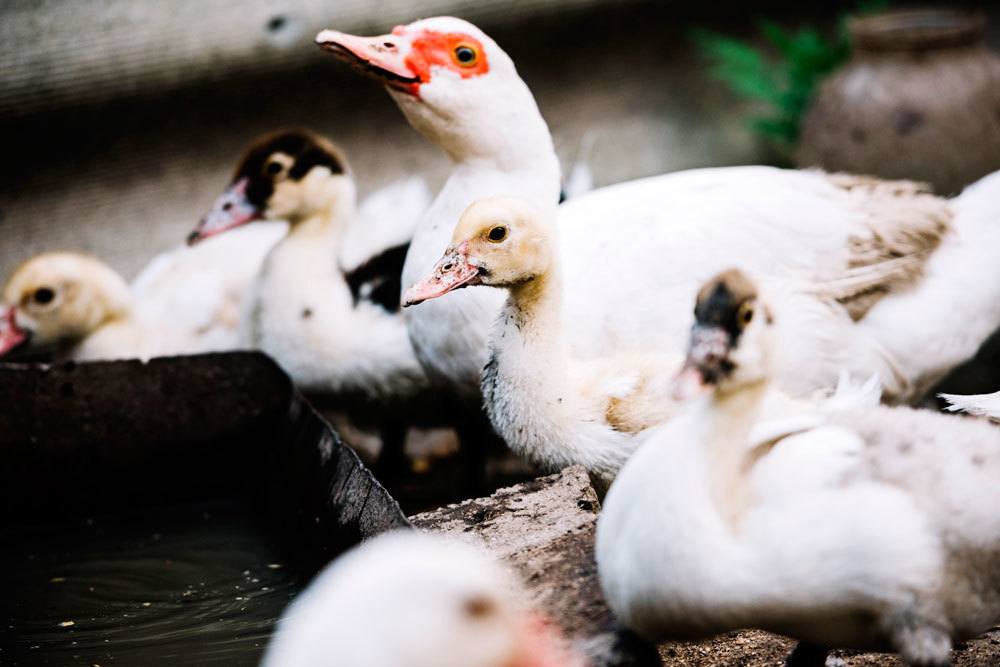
(383,57)
(452,271)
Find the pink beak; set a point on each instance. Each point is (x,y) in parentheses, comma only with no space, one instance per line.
(11,336)
(706,364)
(541,644)
(451,272)
(383,57)
(232,209)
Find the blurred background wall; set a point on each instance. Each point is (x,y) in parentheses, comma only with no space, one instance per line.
(124,119)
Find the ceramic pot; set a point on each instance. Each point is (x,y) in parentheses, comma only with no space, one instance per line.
(919,99)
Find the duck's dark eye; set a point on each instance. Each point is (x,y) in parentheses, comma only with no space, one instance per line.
(745,313)
(465,55)
(274,168)
(43,295)
(497,234)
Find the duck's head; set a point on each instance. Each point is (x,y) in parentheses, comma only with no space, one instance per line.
(500,241)
(415,600)
(730,340)
(453,82)
(289,175)
(59,298)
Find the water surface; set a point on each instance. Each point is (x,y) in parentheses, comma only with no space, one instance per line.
(192,584)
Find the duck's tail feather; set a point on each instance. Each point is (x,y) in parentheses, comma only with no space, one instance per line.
(981,405)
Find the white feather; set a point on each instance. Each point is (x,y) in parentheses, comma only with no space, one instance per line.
(981,405)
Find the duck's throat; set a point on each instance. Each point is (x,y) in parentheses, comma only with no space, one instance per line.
(328,224)
(534,310)
(730,421)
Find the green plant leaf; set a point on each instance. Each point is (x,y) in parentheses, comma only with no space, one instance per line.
(786,81)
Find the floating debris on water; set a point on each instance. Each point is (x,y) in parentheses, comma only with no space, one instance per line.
(67,624)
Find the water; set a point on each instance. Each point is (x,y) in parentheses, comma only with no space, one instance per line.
(192,584)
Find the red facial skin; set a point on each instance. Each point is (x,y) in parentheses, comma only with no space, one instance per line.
(429,49)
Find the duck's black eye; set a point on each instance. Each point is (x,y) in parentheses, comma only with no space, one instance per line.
(497,234)
(274,168)
(43,295)
(745,313)
(466,55)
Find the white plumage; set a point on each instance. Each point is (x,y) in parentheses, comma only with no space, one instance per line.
(981,405)
(407,599)
(203,289)
(872,529)
(304,315)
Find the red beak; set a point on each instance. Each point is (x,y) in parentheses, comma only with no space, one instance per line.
(232,209)
(451,272)
(11,336)
(383,57)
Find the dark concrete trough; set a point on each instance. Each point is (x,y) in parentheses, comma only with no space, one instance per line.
(169,508)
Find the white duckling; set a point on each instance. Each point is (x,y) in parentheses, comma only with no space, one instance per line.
(553,405)
(906,265)
(875,529)
(334,327)
(70,305)
(408,599)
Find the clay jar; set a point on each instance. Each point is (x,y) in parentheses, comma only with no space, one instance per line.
(919,99)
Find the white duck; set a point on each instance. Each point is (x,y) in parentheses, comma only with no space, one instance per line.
(557,408)
(186,301)
(325,305)
(407,599)
(908,266)
(874,528)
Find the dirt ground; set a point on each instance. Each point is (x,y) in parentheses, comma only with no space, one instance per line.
(752,648)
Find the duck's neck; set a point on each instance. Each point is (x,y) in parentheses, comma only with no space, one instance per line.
(534,308)
(508,135)
(529,390)
(729,418)
(326,225)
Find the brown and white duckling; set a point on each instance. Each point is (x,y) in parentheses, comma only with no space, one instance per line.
(409,599)
(875,528)
(334,328)
(550,406)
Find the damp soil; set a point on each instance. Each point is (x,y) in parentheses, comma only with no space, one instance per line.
(197,584)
